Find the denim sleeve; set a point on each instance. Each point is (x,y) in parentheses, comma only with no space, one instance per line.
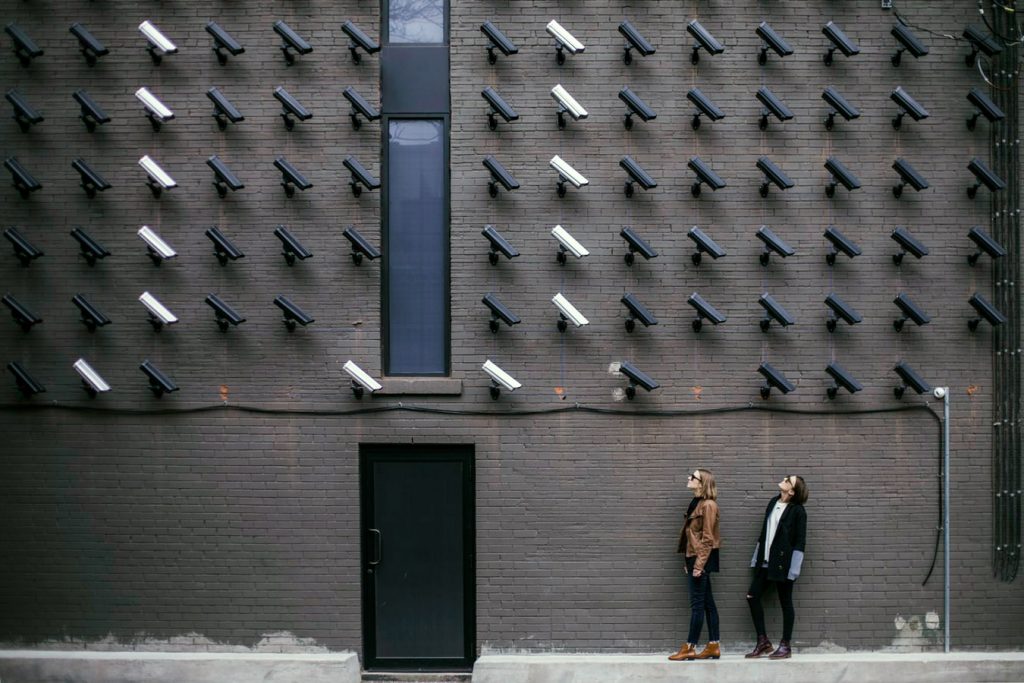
(795,564)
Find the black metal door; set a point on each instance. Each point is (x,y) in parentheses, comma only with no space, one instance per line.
(418,557)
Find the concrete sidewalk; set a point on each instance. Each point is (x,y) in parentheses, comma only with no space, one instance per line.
(40,666)
(78,666)
(1000,667)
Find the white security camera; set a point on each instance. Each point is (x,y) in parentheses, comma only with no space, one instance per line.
(156,110)
(94,383)
(158,249)
(567,173)
(568,243)
(564,40)
(360,379)
(158,179)
(567,104)
(567,312)
(940,392)
(500,378)
(159,315)
(158,42)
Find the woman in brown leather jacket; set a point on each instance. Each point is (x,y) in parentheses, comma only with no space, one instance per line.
(699,542)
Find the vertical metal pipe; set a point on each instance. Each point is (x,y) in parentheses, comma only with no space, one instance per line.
(945,509)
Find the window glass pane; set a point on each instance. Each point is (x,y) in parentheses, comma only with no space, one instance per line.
(416,21)
(417,255)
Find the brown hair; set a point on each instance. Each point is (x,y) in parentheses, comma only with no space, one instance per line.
(707,489)
(800,492)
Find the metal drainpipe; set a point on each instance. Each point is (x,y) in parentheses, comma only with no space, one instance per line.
(943,393)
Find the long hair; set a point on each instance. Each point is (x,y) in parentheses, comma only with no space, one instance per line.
(800,492)
(707,489)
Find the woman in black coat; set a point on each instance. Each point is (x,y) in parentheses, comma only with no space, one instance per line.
(777,560)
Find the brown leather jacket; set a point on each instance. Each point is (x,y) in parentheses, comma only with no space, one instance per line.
(699,535)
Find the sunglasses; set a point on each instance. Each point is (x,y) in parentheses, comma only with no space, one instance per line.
(694,476)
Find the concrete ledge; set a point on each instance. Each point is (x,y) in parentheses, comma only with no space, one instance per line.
(840,668)
(46,666)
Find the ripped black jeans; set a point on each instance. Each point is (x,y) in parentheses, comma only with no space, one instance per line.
(785,591)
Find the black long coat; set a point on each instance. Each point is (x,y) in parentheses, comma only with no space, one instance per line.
(786,556)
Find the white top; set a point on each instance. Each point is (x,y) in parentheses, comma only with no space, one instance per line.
(772,527)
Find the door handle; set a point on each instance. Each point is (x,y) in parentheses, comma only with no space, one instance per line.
(377,548)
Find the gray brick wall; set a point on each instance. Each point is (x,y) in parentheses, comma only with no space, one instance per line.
(232,523)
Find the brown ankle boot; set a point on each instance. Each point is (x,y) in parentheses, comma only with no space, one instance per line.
(763,647)
(710,651)
(784,651)
(686,653)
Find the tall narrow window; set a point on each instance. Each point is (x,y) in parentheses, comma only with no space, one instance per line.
(416,250)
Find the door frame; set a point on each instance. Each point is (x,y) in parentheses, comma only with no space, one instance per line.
(464,453)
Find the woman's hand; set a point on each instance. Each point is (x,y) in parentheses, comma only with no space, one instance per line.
(697,573)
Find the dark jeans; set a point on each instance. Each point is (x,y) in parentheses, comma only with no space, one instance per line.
(702,602)
(785,591)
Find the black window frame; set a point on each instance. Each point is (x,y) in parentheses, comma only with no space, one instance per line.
(385,239)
